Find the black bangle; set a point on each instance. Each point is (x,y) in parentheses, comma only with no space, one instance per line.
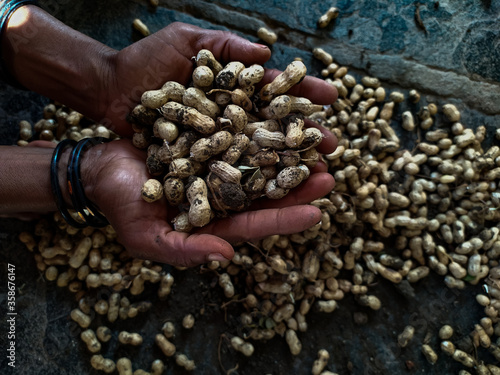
(85,208)
(7,8)
(54,181)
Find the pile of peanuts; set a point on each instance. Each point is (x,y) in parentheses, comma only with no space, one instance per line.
(216,145)
(59,122)
(432,208)
(394,213)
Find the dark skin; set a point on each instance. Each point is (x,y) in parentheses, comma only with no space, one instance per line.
(180,42)
(105,84)
(131,215)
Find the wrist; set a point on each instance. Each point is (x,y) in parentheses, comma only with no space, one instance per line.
(91,170)
(62,175)
(88,214)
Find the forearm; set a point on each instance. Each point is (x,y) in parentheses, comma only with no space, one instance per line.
(25,180)
(56,61)
(25,177)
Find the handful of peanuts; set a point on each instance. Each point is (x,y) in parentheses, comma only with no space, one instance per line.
(216,145)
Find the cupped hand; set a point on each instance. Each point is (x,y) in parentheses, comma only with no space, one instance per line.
(145,228)
(168,55)
(114,173)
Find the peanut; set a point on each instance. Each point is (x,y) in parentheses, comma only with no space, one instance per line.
(293,74)
(237,117)
(320,363)
(227,78)
(152,190)
(203,78)
(140,27)
(267,35)
(206,58)
(88,336)
(331,14)
(128,338)
(225,171)
(183,361)
(104,364)
(239,144)
(165,345)
(199,212)
(173,189)
(195,98)
(154,98)
(205,148)
(243,347)
(294,133)
(250,76)
(188,116)
(290,177)
(124,366)
(278,108)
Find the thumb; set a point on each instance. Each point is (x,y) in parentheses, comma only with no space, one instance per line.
(193,249)
(227,46)
(178,249)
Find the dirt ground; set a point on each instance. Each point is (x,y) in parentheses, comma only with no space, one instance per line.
(359,340)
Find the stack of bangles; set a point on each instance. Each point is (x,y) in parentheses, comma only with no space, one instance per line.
(88,213)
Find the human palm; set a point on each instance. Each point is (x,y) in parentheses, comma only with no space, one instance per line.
(145,229)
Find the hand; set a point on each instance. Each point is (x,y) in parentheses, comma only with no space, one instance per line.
(105,84)
(113,174)
(167,55)
(144,228)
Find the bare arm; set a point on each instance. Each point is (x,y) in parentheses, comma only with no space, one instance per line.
(24,181)
(54,60)
(113,174)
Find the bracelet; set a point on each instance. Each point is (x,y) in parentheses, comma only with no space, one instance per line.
(54,182)
(85,208)
(7,8)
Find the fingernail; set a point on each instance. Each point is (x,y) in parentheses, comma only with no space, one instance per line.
(263,46)
(216,257)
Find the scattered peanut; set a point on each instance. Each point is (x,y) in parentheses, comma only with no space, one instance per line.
(267,35)
(240,345)
(429,200)
(104,364)
(331,14)
(320,363)
(141,27)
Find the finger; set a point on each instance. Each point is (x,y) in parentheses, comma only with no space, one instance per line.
(227,47)
(329,142)
(161,244)
(194,249)
(254,225)
(320,167)
(40,143)
(315,89)
(316,186)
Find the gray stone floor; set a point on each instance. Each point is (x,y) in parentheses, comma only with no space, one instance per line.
(454,58)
